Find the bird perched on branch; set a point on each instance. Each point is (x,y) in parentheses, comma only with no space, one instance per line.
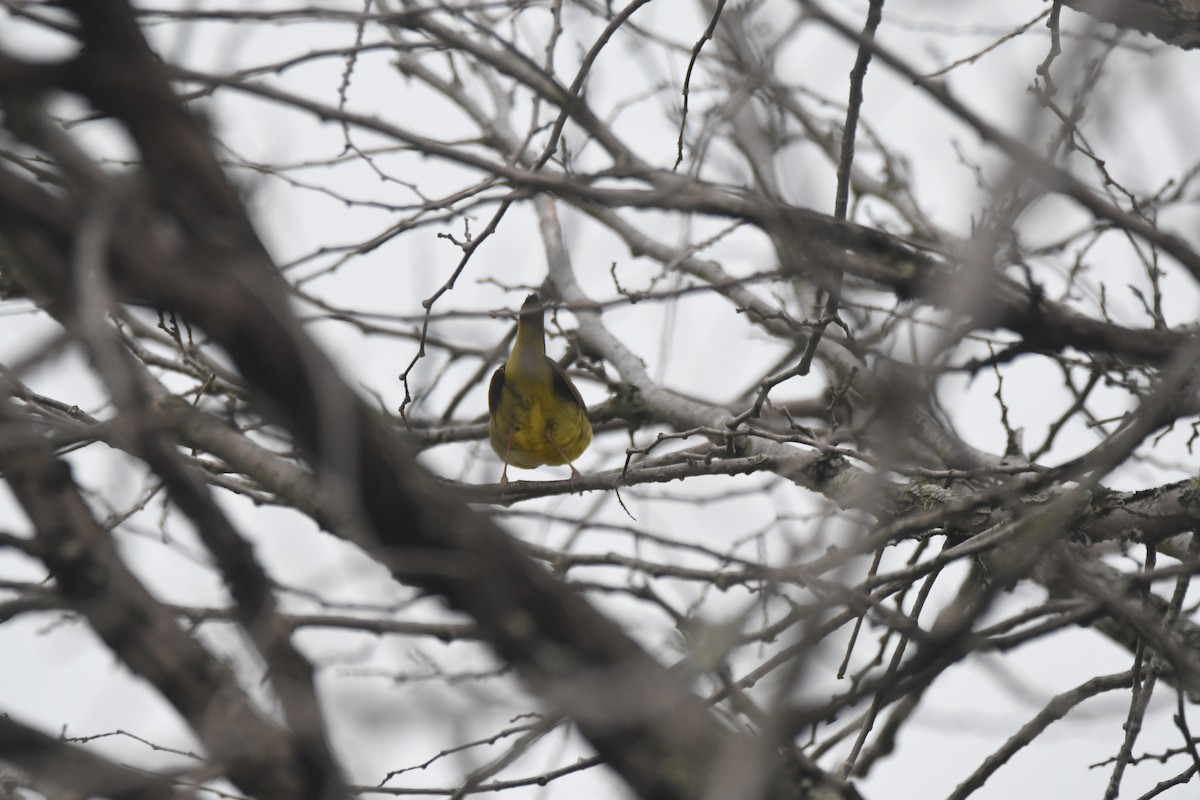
(536,414)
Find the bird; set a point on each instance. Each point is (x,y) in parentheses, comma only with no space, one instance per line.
(536,416)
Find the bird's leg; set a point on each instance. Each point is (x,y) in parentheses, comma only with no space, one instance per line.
(507,450)
(575,474)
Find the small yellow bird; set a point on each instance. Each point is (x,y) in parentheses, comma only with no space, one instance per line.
(536,414)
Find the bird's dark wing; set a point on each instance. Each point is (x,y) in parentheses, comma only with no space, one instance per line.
(495,389)
(563,386)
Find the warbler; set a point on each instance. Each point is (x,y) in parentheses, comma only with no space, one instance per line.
(536,414)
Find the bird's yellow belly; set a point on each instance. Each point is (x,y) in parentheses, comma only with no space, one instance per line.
(524,434)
